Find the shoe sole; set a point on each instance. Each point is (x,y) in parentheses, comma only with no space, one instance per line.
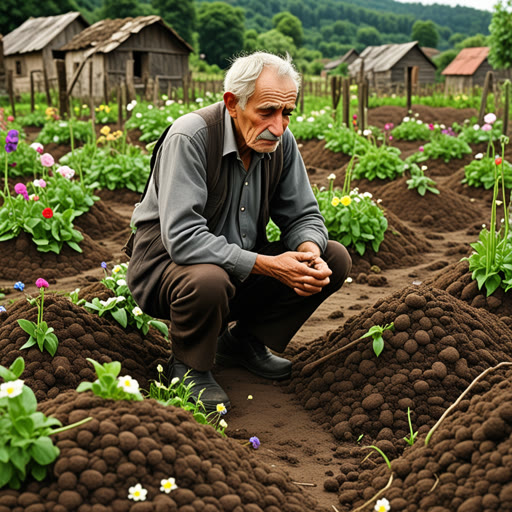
(224,360)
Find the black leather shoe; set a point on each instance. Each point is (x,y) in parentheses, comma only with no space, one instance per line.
(252,355)
(212,394)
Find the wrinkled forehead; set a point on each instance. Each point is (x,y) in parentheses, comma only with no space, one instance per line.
(273,91)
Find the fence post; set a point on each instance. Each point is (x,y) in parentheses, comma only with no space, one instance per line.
(91,80)
(346,101)
(485,92)
(335,93)
(130,87)
(46,86)
(32,92)
(120,106)
(408,87)
(105,85)
(507,105)
(61,82)
(10,91)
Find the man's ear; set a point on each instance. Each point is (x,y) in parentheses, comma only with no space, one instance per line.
(231,102)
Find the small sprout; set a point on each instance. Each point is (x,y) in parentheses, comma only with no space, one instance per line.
(376,333)
(360,438)
(410,440)
(378,450)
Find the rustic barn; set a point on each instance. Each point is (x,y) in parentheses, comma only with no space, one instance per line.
(386,65)
(104,54)
(28,48)
(468,69)
(348,58)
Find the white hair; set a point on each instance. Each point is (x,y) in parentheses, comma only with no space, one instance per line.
(244,71)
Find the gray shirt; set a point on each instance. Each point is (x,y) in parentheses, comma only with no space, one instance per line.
(180,171)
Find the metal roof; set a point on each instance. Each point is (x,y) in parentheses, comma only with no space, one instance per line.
(384,57)
(106,35)
(35,34)
(467,61)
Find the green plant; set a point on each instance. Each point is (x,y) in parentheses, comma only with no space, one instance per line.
(108,385)
(379,451)
(472,132)
(313,126)
(381,162)
(419,181)
(122,306)
(178,394)
(345,140)
(25,444)
(376,333)
(39,332)
(412,128)
(412,436)
(480,172)
(445,146)
(59,131)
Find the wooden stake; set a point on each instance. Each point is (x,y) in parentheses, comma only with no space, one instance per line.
(10,91)
(61,82)
(485,92)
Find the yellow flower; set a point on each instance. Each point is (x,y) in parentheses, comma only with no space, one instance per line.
(118,133)
(101,139)
(221,409)
(345,200)
(105,130)
(110,137)
(107,109)
(335,201)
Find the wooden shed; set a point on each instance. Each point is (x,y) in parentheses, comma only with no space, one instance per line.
(28,48)
(386,65)
(105,53)
(468,69)
(348,58)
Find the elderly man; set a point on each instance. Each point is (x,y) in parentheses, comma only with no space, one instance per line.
(201,258)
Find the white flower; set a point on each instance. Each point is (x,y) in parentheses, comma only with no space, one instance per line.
(137,493)
(165,97)
(11,388)
(367,194)
(479,156)
(366,133)
(120,298)
(331,176)
(322,111)
(56,139)
(419,121)
(359,132)
(476,127)
(108,301)
(109,278)
(223,424)
(37,146)
(128,384)
(170,119)
(416,115)
(442,126)
(150,107)
(159,385)
(168,485)
(116,269)
(63,124)
(498,202)
(424,167)
(169,102)
(405,119)
(136,311)
(175,381)
(310,119)
(379,201)
(382,505)
(159,368)
(129,107)
(329,125)
(138,115)
(348,280)
(299,119)
(199,100)
(121,282)
(490,118)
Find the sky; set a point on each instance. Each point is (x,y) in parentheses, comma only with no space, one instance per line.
(484,5)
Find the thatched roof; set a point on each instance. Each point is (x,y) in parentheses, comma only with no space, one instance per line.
(348,57)
(106,35)
(384,57)
(36,33)
(467,61)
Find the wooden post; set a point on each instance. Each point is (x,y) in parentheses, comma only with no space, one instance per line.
(156,91)
(149,89)
(46,86)
(124,99)
(61,82)
(105,85)
(506,92)
(485,92)
(10,91)
(346,101)
(360,104)
(301,95)
(335,93)
(32,92)
(130,87)
(169,89)
(91,80)
(408,87)
(185,89)
(119,106)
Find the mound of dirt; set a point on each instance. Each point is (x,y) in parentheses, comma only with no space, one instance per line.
(439,345)
(127,443)
(465,467)
(456,280)
(314,154)
(446,211)
(101,221)
(81,335)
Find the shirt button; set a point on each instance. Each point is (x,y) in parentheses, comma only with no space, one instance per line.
(243,235)
(246,183)
(242,209)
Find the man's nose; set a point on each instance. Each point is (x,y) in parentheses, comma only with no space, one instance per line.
(278,126)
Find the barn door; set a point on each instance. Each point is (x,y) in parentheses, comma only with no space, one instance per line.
(140,64)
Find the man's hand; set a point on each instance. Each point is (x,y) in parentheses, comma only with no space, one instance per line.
(305,272)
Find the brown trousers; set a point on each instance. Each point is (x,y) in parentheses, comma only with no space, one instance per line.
(200,301)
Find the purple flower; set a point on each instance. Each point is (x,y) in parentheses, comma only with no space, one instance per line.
(42,283)
(11,141)
(19,286)
(255,442)
(103,265)
(2,309)
(20,188)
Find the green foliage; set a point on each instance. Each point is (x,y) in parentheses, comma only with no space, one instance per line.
(108,385)
(426,33)
(289,25)
(481,173)
(475,41)
(412,436)
(114,9)
(472,133)
(222,31)
(122,306)
(419,181)
(500,42)
(368,36)
(375,333)
(444,146)
(313,126)
(179,14)
(345,140)
(382,162)
(26,160)
(276,42)
(26,448)
(59,132)
(412,128)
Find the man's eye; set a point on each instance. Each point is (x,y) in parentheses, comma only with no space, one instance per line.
(288,114)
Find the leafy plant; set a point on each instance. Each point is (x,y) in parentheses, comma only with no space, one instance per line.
(444,146)
(312,126)
(39,332)
(412,436)
(60,131)
(25,444)
(412,128)
(472,133)
(345,140)
(381,162)
(376,333)
(122,306)
(108,385)
(419,181)
(480,173)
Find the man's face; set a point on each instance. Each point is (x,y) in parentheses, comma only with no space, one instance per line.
(267,113)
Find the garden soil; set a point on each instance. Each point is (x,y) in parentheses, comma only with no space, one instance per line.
(316,427)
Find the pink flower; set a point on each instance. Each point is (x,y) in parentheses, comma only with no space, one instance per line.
(37,146)
(354,116)
(20,188)
(430,126)
(388,126)
(391,137)
(10,118)
(486,127)
(47,160)
(490,118)
(42,283)
(421,148)
(66,172)
(34,197)
(39,183)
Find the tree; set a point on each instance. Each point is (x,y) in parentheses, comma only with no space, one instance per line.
(500,54)
(276,42)
(472,42)
(250,41)
(368,36)
(222,32)
(179,14)
(289,25)
(426,33)
(114,9)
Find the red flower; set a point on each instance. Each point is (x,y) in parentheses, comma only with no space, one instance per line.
(47,213)
(498,160)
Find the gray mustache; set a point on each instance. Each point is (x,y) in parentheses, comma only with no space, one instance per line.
(267,135)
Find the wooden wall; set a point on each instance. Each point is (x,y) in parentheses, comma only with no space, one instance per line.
(427,71)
